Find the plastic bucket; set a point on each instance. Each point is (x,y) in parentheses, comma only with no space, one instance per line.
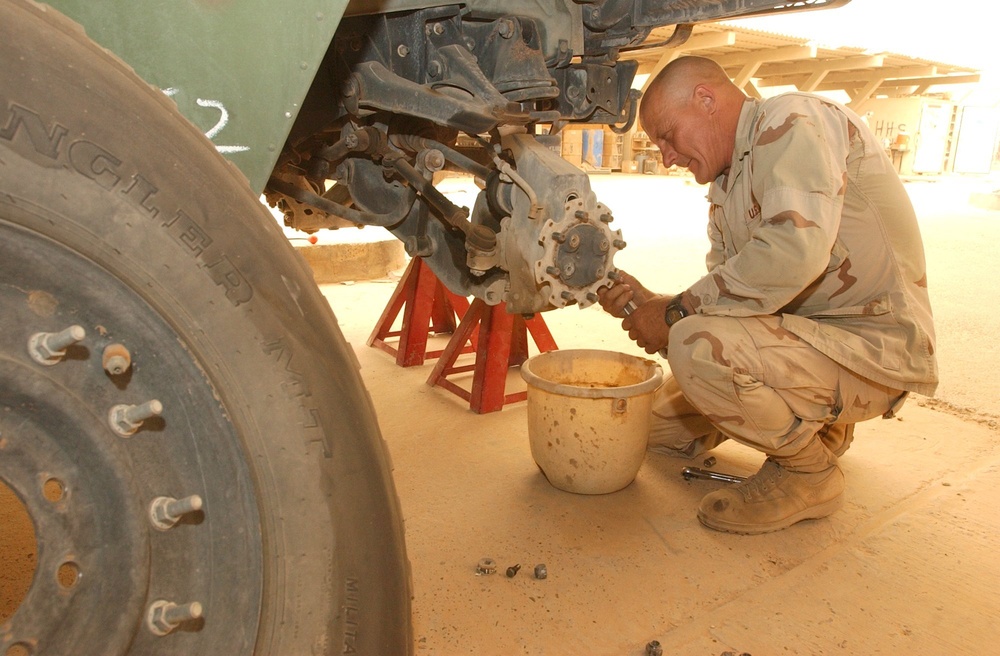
(589,414)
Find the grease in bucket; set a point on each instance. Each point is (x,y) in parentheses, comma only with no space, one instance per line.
(589,413)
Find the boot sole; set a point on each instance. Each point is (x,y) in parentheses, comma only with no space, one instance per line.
(813,512)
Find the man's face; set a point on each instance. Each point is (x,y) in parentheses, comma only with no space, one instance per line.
(686,135)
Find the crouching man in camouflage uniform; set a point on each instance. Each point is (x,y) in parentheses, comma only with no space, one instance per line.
(814,313)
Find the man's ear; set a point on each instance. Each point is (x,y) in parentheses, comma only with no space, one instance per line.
(704,98)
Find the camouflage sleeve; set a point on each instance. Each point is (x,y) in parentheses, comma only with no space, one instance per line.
(798,179)
(717,251)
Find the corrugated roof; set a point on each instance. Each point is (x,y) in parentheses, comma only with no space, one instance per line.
(758,59)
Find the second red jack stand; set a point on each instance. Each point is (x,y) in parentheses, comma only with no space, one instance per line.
(429,307)
(503,343)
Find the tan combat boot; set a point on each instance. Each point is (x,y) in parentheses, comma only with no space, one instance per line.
(772,499)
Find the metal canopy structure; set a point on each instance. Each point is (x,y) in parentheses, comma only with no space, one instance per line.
(756,59)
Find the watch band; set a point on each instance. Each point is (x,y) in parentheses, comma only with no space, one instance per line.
(674,311)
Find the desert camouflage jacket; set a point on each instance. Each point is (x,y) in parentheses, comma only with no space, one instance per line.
(812,222)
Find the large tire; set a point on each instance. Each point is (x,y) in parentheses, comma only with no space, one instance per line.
(118,216)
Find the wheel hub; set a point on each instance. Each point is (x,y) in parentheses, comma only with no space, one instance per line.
(78,490)
(112,436)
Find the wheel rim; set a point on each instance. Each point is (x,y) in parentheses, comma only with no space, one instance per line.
(121,566)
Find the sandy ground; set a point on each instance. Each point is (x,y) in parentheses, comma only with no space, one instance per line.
(906,567)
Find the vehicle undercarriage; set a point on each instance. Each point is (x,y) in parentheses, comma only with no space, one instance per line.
(482,88)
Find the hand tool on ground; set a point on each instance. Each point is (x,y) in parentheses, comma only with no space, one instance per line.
(631,307)
(696,472)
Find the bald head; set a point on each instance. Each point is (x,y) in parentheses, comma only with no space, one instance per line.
(691,110)
(679,79)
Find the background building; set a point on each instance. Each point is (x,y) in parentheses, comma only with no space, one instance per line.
(931,116)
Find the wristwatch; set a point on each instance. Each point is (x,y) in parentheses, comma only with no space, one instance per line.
(675,311)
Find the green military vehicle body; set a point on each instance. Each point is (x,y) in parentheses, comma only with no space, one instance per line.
(179,413)
(237,70)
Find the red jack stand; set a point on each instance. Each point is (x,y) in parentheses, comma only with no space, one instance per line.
(503,343)
(430,307)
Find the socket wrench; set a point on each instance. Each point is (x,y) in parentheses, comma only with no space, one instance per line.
(696,472)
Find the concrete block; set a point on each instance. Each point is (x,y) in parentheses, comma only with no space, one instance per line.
(340,262)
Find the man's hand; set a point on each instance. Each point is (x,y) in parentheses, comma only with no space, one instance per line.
(614,299)
(647,327)
(645,324)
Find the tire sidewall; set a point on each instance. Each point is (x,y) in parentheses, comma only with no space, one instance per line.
(126,182)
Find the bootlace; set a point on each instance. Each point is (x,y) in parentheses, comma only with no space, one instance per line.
(758,485)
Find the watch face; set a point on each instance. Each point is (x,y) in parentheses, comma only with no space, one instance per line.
(674,312)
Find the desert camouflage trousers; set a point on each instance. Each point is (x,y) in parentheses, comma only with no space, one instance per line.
(751,380)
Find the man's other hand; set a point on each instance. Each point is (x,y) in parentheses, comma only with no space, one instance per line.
(646,325)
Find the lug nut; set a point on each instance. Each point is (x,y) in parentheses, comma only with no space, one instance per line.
(541,571)
(49,348)
(434,159)
(486,566)
(552,271)
(653,648)
(614,275)
(619,244)
(512,571)
(606,218)
(116,359)
(592,297)
(710,461)
(582,215)
(164,512)
(126,419)
(558,237)
(567,296)
(165,616)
